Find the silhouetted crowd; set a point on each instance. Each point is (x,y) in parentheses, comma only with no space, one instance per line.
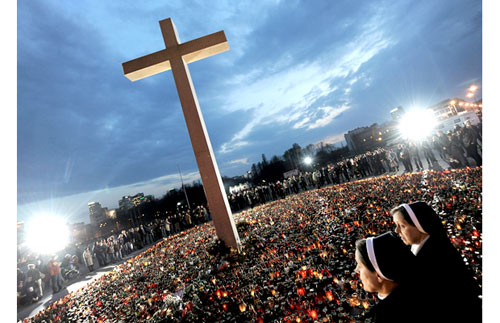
(458,148)
(297,261)
(37,273)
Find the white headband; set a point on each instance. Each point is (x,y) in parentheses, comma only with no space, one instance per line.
(413,217)
(373,259)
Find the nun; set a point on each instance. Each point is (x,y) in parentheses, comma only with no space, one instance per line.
(453,285)
(386,266)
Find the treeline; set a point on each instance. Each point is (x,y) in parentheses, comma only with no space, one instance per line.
(266,170)
(272,170)
(172,202)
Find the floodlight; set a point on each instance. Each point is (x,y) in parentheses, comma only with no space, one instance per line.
(416,125)
(308,160)
(47,234)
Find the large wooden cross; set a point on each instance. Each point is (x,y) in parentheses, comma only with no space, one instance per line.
(176,56)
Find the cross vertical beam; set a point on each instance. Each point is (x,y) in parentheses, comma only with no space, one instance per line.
(176,56)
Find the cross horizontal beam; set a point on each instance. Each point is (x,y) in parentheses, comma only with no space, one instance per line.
(190,51)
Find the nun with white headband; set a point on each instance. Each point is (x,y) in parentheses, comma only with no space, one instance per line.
(386,266)
(453,285)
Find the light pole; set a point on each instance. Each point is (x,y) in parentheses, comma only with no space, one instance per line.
(471,92)
(452,104)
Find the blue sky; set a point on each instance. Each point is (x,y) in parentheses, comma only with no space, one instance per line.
(296,72)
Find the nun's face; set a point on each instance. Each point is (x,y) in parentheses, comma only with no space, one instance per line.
(408,233)
(371,281)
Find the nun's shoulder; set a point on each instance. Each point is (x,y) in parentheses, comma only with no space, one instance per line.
(438,247)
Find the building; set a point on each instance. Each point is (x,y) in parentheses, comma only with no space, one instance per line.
(369,138)
(125,203)
(449,107)
(97,213)
(128,203)
(78,232)
(459,119)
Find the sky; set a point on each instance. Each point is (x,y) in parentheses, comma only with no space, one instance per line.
(296,72)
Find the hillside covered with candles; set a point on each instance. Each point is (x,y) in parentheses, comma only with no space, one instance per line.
(297,261)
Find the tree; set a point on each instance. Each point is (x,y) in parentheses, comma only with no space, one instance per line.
(264,161)
(293,156)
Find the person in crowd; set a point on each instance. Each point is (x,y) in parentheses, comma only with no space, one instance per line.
(404,155)
(456,150)
(110,248)
(55,274)
(33,283)
(168,227)
(387,267)
(454,287)
(415,156)
(89,260)
(187,219)
(20,284)
(470,139)
(441,144)
(428,154)
(393,160)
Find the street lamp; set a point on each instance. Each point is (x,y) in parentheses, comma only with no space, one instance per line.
(308,160)
(472,91)
(452,104)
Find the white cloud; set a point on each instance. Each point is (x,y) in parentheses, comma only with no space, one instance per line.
(229,146)
(329,114)
(301,123)
(333,139)
(243,161)
(287,95)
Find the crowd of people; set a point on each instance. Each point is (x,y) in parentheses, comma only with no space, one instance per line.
(298,261)
(457,148)
(37,273)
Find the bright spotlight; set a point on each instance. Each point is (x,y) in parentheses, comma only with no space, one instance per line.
(416,125)
(47,234)
(308,160)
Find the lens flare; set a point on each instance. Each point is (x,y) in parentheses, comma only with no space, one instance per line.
(47,234)
(417,125)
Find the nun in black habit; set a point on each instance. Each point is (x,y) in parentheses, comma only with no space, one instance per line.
(453,285)
(387,267)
